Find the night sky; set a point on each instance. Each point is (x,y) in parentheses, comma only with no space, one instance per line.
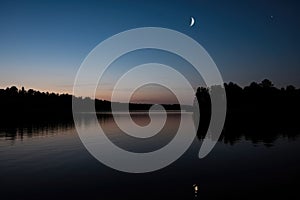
(43,43)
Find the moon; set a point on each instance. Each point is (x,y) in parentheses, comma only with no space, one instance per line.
(192,22)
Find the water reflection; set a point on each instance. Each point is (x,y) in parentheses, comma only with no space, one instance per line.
(258,130)
(233,131)
(34,130)
(48,161)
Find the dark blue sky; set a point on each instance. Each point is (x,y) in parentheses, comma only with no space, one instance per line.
(42,43)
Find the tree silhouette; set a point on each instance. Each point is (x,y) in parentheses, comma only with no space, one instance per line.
(256,111)
(259,112)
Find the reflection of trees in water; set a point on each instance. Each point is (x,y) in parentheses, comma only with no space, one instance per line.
(256,134)
(34,129)
(42,126)
(235,129)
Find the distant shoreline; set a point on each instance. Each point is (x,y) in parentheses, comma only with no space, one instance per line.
(258,103)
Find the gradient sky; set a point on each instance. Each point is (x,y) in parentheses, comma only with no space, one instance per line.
(42,43)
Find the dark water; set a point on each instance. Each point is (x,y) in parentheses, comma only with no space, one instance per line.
(48,161)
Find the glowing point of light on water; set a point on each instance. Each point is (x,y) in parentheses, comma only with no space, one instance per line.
(195,188)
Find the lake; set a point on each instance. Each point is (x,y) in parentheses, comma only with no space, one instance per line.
(48,161)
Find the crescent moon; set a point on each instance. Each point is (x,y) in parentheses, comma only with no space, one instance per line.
(192,21)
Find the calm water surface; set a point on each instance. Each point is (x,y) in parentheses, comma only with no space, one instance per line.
(49,162)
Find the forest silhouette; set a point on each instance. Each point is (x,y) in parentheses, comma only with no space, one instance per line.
(259,112)
(22,106)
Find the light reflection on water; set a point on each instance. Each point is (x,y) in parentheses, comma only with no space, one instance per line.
(49,161)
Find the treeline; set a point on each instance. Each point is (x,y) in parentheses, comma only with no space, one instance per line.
(21,104)
(259,112)
(20,107)
(18,101)
(257,109)
(260,98)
